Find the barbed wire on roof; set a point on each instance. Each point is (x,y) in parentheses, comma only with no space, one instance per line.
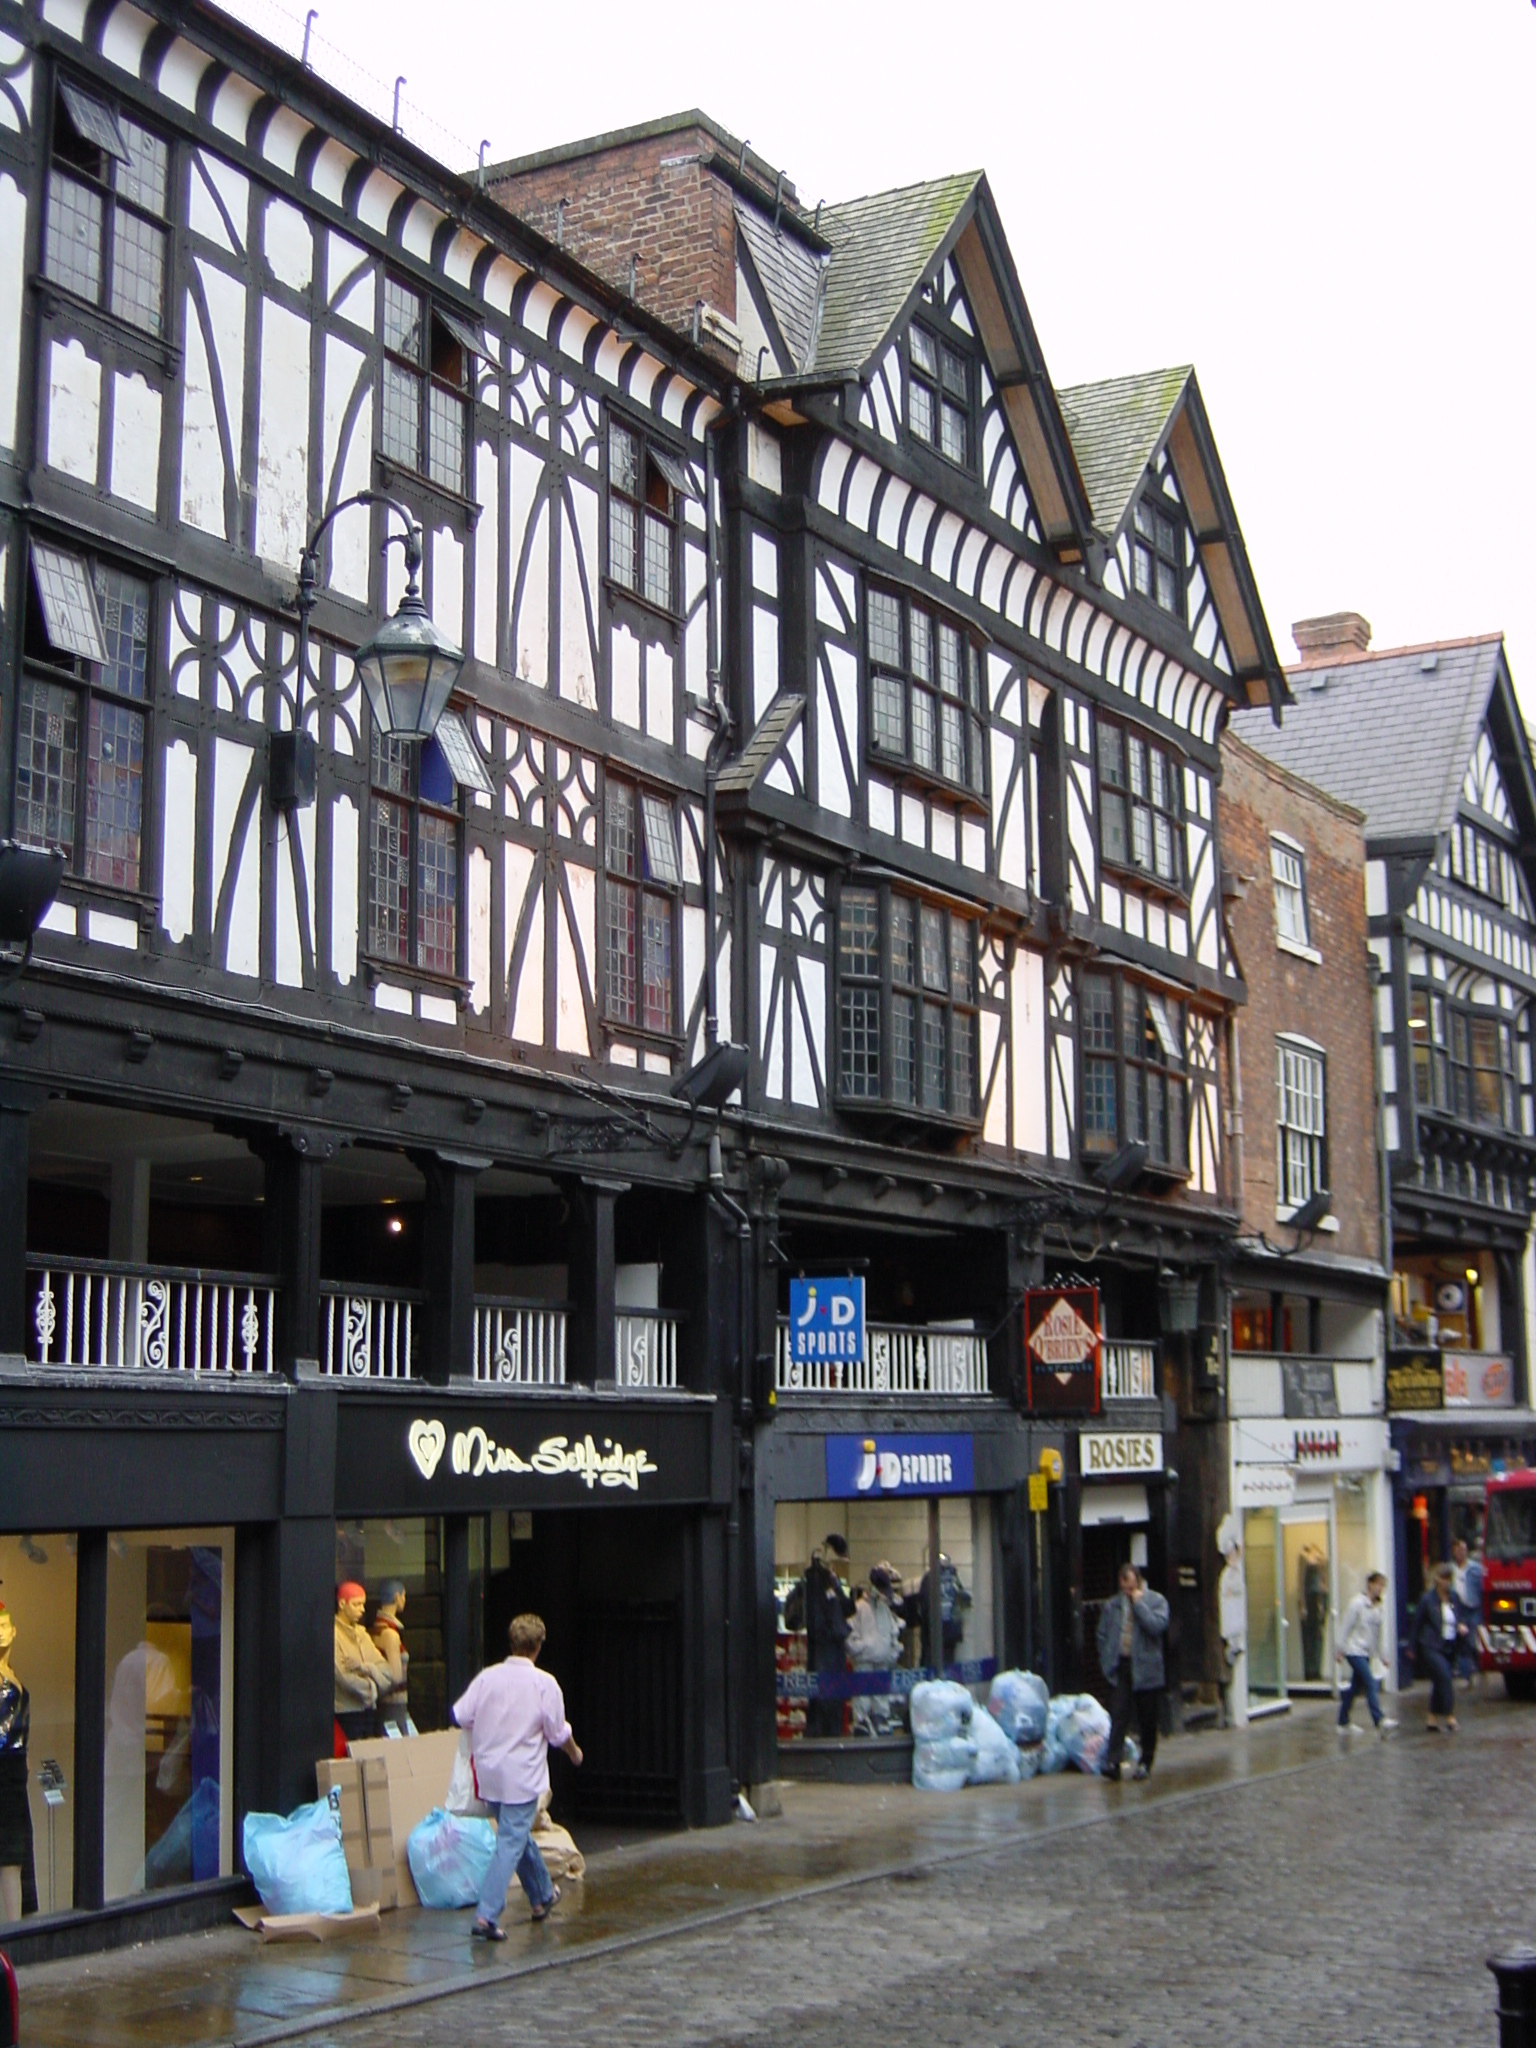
(285,26)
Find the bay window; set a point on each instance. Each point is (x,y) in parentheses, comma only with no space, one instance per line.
(907,1023)
(413,856)
(1139,805)
(1132,1044)
(927,692)
(643,887)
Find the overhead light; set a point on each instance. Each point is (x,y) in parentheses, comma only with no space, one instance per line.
(1125,1166)
(1311,1212)
(408,669)
(193,1179)
(714,1080)
(1472,1275)
(395,1226)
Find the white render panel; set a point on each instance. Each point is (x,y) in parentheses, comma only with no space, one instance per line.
(973,845)
(771,994)
(1012,847)
(1027,1051)
(995,1127)
(1082,868)
(479,930)
(74,411)
(106,929)
(1375,888)
(487,551)
(290,947)
(448,584)
(578,593)
(914,820)
(123,36)
(233,104)
(212,373)
(530,559)
(941,827)
(389,996)
(765,660)
(282,452)
(839,688)
(13,259)
(765,565)
(764,464)
(135,475)
(219,203)
(575,946)
(344,898)
(528,998)
(289,245)
(178,833)
(231,769)
(882,807)
(809,1038)
(624,678)
(347,461)
(660,687)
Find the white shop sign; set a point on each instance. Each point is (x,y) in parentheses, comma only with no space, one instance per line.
(1111,1454)
(1349,1444)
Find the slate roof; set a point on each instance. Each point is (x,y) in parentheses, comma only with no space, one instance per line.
(1390,733)
(757,756)
(792,277)
(882,247)
(1115,428)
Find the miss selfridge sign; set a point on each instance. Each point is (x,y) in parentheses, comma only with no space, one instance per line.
(474,1453)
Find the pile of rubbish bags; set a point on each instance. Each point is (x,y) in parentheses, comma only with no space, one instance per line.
(297,1864)
(1021,1731)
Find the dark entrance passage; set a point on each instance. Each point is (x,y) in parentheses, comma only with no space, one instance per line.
(610,1589)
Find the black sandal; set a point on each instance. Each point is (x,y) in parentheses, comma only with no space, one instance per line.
(487,1930)
(543,1912)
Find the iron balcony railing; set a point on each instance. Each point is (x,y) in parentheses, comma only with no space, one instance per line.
(645,1347)
(896,1361)
(102,1313)
(1129,1372)
(367,1333)
(519,1343)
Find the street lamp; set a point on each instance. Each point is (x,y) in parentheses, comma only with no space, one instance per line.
(29,881)
(407,669)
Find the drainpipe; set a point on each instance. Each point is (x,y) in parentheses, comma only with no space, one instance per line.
(722,716)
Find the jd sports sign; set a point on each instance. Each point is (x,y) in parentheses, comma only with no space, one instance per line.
(1114,1454)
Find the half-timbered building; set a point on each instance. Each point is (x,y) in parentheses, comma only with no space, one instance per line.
(1450,804)
(981,641)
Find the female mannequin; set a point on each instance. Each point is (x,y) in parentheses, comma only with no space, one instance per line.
(18,1892)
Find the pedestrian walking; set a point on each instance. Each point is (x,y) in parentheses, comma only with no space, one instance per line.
(1131,1631)
(1467,1592)
(515,1715)
(1436,1631)
(1232,1608)
(1360,1649)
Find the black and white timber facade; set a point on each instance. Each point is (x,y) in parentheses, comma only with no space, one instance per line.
(345,1201)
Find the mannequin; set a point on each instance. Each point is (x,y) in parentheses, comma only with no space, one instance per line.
(874,1644)
(389,1641)
(362,1675)
(18,1888)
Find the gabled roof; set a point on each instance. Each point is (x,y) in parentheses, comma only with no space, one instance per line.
(1121,429)
(1392,733)
(792,277)
(883,248)
(1117,430)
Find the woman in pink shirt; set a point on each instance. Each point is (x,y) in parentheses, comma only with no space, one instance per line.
(514,1714)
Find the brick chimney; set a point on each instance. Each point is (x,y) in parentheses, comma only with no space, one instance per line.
(1339,636)
(652,210)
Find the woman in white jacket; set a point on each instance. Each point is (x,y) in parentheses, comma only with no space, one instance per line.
(1360,1648)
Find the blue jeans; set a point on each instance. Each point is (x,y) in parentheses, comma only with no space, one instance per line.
(514,1851)
(1361,1680)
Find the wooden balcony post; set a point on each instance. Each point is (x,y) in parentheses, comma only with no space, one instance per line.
(449,1264)
(293,1159)
(591,1263)
(16,1104)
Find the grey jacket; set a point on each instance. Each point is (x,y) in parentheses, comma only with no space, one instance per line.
(1149,1624)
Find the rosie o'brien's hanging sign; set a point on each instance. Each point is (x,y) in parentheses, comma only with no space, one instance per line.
(826,1321)
(474,1454)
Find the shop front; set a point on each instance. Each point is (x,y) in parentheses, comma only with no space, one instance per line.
(174,1654)
(892,1546)
(1312,1509)
(1123,1517)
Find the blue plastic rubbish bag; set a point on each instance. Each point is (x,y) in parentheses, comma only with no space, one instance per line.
(944,1765)
(1029,1759)
(997,1759)
(1078,1726)
(297,1864)
(449,1854)
(939,1709)
(1019,1701)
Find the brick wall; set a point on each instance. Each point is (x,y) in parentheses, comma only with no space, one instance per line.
(1330,1003)
(652,199)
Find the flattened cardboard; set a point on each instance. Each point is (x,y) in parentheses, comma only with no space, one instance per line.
(417,1770)
(307,1926)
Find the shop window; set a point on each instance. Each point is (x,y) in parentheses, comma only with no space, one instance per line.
(399,1565)
(1139,805)
(1251,1326)
(413,856)
(81,714)
(1290,880)
(907,1023)
(1301,1140)
(169,1785)
(829,1687)
(643,889)
(37,1725)
(927,692)
(429,355)
(646,484)
(1133,1065)
(105,238)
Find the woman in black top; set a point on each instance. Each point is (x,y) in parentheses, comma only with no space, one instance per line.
(1435,1632)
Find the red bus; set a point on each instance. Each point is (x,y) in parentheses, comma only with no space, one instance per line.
(1506,1640)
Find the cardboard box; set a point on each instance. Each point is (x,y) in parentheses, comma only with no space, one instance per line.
(378,1887)
(367,1837)
(416,1770)
(307,1926)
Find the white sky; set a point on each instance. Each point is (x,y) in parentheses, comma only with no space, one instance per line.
(1327,208)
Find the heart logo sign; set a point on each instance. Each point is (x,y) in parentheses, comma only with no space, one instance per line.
(426,1442)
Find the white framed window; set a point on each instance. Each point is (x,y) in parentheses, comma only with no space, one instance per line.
(1301,1155)
(1290,878)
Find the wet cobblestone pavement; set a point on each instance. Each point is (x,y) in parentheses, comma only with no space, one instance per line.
(1274,1885)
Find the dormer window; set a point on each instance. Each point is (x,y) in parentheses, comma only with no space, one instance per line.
(939,395)
(1157,553)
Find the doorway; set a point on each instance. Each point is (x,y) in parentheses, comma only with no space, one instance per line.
(1306,1535)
